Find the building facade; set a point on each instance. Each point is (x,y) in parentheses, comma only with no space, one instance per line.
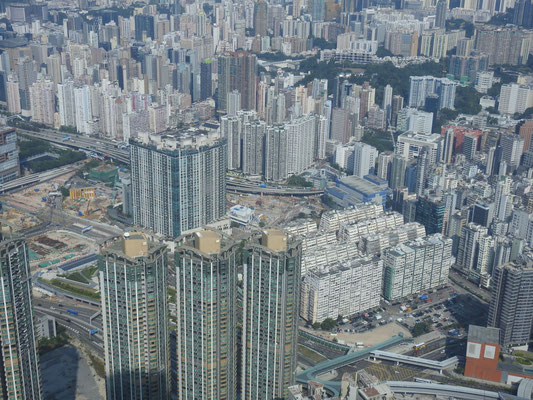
(20,373)
(133,287)
(178,183)
(206,284)
(416,266)
(271,288)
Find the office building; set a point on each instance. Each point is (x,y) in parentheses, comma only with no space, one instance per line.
(9,155)
(416,266)
(20,373)
(237,71)
(511,302)
(397,175)
(135,329)
(410,145)
(206,79)
(523,13)
(475,252)
(206,286)
(343,288)
(271,290)
(430,213)
(163,200)
(470,146)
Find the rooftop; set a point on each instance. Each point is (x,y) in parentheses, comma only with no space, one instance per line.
(483,334)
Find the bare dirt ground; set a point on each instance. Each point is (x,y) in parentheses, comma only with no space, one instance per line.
(368,338)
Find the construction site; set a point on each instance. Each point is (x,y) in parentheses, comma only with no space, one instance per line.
(53,248)
(272,210)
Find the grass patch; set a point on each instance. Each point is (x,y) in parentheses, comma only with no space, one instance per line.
(72,288)
(76,276)
(523,361)
(310,354)
(89,272)
(98,365)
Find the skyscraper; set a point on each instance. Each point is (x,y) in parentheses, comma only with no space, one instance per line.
(271,283)
(206,285)
(133,286)
(364,159)
(512,149)
(260,18)
(20,377)
(397,175)
(42,101)
(387,102)
(511,302)
(237,71)
(440,18)
(67,109)
(206,79)
(178,181)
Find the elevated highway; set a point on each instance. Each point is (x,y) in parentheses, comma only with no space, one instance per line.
(417,361)
(334,387)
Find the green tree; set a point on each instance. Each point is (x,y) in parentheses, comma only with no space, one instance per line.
(298,180)
(316,326)
(328,324)
(420,328)
(467,100)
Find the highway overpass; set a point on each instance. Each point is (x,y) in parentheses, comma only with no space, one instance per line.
(417,361)
(440,390)
(333,387)
(36,178)
(102,147)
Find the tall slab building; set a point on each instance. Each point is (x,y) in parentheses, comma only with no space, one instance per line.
(271,284)
(20,377)
(178,181)
(133,284)
(206,287)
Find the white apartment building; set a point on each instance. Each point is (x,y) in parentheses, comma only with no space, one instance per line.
(377,242)
(332,220)
(346,288)
(515,98)
(353,233)
(416,266)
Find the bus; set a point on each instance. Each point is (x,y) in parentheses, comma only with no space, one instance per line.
(419,346)
(86,228)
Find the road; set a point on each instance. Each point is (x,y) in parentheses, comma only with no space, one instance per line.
(102,147)
(37,178)
(78,325)
(107,148)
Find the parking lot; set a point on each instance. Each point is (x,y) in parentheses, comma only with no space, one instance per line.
(447,309)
